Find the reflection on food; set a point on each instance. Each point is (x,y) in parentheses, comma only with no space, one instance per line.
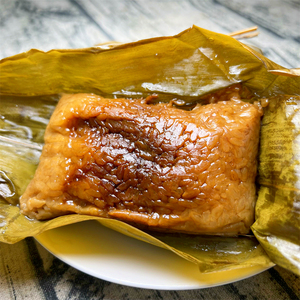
(155,166)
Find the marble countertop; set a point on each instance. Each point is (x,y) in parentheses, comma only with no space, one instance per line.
(27,270)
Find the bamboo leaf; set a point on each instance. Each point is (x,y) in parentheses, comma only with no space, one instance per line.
(186,66)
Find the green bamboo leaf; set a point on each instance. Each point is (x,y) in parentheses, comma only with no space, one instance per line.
(191,64)
(277,225)
(186,66)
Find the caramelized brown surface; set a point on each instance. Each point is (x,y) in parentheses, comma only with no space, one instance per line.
(154,165)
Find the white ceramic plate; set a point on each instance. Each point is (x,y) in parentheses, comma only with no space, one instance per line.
(109,255)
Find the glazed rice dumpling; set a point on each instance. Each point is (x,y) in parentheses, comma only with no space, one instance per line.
(155,166)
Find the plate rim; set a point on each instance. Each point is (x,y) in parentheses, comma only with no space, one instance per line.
(69,261)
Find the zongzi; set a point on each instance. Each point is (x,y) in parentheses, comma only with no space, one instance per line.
(152,165)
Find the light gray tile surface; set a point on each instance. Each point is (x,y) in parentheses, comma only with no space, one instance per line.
(27,271)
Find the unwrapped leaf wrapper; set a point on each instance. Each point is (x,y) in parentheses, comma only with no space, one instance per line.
(186,66)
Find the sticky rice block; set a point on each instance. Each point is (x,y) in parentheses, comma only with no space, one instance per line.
(154,166)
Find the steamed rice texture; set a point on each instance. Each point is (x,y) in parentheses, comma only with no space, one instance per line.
(154,166)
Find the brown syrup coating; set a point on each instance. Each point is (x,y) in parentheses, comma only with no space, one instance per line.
(151,165)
